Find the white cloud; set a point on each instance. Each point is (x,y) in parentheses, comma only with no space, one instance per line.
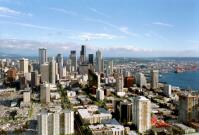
(163,24)
(28,48)
(95,36)
(34,26)
(126,31)
(7,16)
(28,45)
(11,12)
(5,10)
(98,12)
(155,35)
(123,29)
(124,48)
(72,13)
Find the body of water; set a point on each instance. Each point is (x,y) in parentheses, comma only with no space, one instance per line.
(184,80)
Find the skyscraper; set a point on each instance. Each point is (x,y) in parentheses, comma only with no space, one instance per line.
(52,71)
(56,123)
(73,59)
(110,67)
(83,54)
(44,70)
(91,59)
(53,123)
(42,120)
(141,80)
(67,122)
(119,83)
(98,64)
(167,90)
(142,113)
(35,79)
(42,55)
(24,65)
(188,107)
(60,65)
(126,112)
(45,93)
(154,79)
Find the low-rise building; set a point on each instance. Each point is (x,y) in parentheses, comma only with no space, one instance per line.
(93,114)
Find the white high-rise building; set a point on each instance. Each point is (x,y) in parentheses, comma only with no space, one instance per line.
(60,62)
(42,55)
(99,65)
(119,83)
(142,113)
(141,80)
(110,67)
(52,71)
(68,122)
(56,123)
(42,120)
(53,123)
(24,65)
(167,90)
(45,93)
(100,94)
(73,59)
(44,70)
(98,81)
(154,79)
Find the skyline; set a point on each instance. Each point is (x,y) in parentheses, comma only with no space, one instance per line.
(127,28)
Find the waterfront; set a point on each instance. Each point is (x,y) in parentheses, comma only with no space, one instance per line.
(185,80)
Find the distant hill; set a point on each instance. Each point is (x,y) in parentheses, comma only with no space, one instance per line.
(8,55)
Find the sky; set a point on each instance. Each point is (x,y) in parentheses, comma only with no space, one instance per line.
(125,28)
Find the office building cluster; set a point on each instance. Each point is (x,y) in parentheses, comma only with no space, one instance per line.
(90,94)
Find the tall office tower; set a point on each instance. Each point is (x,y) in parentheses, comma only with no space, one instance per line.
(98,81)
(100,94)
(98,64)
(35,79)
(188,107)
(24,65)
(91,59)
(119,83)
(83,54)
(142,113)
(141,80)
(68,65)
(42,120)
(45,93)
(23,82)
(11,74)
(56,71)
(126,112)
(52,71)
(102,65)
(154,79)
(60,62)
(167,90)
(42,55)
(93,79)
(73,59)
(67,122)
(110,67)
(44,70)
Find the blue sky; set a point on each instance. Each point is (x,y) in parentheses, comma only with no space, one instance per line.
(137,28)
